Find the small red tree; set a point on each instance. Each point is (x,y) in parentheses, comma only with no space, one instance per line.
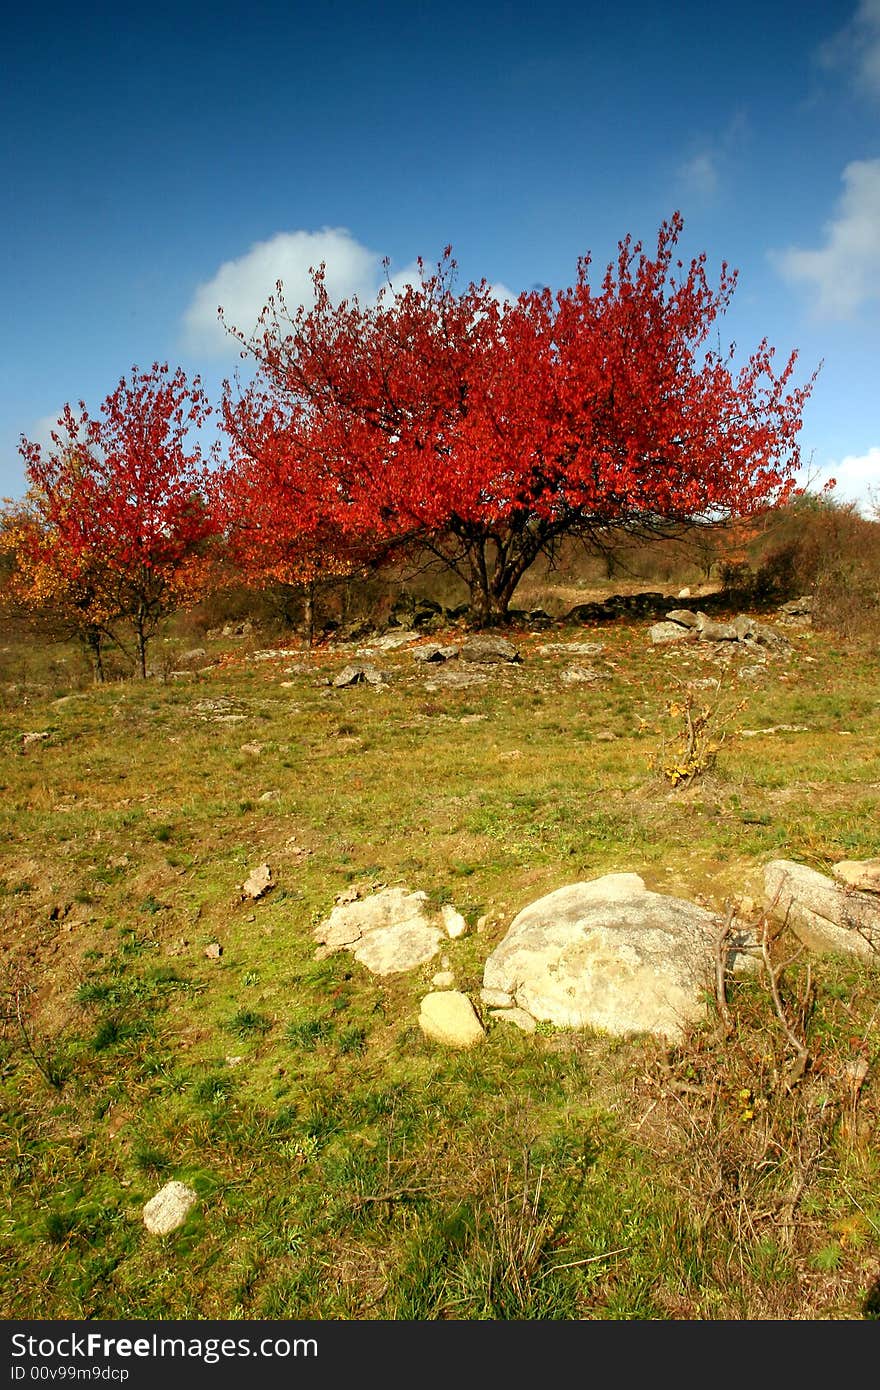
(487,431)
(117,522)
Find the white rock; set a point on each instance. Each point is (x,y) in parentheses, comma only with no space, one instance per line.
(823,913)
(169,1208)
(609,955)
(453,922)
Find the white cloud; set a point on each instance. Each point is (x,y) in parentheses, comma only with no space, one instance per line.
(856,47)
(699,175)
(857,477)
(243,286)
(845,272)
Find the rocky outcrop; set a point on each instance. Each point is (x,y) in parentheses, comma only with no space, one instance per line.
(359,675)
(389,931)
(608,954)
(826,915)
(486,651)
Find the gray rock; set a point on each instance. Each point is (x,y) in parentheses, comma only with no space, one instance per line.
(390,640)
(358,675)
(824,914)
(449,1017)
(572,648)
(743,626)
(583,675)
(389,932)
(455,679)
(435,652)
(764,636)
(663,633)
(711,631)
(169,1208)
(609,955)
(197,656)
(684,617)
(444,979)
(488,650)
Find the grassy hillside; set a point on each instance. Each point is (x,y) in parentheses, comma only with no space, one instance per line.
(346,1167)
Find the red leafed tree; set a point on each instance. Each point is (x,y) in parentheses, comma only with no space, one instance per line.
(487,431)
(115,525)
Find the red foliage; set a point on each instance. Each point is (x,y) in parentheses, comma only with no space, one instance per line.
(116,507)
(486,431)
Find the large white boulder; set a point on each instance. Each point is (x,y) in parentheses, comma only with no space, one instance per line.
(610,955)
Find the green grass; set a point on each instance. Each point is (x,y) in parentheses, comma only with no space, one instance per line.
(346,1168)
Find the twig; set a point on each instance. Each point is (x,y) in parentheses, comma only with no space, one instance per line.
(590,1260)
(773,974)
(721,940)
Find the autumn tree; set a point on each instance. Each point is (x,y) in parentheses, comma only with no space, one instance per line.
(116,527)
(486,431)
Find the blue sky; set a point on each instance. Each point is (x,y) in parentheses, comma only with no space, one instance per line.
(161,160)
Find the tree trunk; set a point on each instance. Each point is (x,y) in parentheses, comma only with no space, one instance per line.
(141,637)
(93,643)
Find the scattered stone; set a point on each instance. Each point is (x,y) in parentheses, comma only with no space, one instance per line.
(610,955)
(583,675)
(28,739)
(763,636)
(234,1061)
(197,656)
(453,922)
(253,750)
(683,593)
(825,914)
(390,640)
(270,654)
(433,652)
(359,675)
(485,651)
(271,795)
(663,633)
(449,1017)
(214,951)
(775,729)
(572,648)
(797,607)
(683,617)
(444,979)
(605,736)
(258,882)
(453,679)
(518,1017)
(711,631)
(863,874)
(389,932)
(169,1208)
